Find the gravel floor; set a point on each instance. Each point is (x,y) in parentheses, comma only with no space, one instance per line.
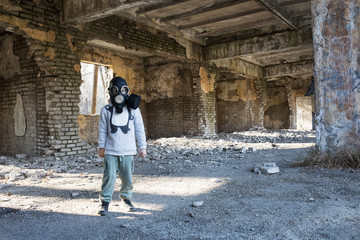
(53,198)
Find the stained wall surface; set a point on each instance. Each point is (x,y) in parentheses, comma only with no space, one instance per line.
(237,105)
(337,72)
(170,102)
(277,111)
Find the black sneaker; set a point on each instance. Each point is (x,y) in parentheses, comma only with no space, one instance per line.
(104,207)
(129,205)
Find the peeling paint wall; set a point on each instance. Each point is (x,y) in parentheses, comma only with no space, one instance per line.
(336,27)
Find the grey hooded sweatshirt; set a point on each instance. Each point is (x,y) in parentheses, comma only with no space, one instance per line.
(112,136)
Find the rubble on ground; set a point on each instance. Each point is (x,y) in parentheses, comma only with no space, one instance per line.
(266,168)
(162,150)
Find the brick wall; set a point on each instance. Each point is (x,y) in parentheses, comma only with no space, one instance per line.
(132,36)
(171,100)
(23,83)
(237,116)
(238,105)
(169,117)
(51,101)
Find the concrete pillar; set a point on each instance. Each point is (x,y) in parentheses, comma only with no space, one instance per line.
(207,103)
(260,85)
(291,102)
(336,27)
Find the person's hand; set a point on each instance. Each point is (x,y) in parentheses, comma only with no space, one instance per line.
(142,153)
(101,152)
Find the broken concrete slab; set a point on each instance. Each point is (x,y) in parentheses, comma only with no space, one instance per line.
(266,168)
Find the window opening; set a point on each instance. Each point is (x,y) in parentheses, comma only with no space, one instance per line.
(93,89)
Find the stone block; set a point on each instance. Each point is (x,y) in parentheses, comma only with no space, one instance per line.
(266,168)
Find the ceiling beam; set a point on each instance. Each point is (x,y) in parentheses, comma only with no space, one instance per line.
(76,12)
(242,25)
(293,2)
(204,9)
(241,67)
(219,19)
(274,7)
(158,5)
(289,69)
(283,41)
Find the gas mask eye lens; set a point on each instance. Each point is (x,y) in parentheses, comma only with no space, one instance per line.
(124,90)
(114,90)
(119,99)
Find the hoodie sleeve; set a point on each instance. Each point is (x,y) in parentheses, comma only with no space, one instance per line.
(139,129)
(103,125)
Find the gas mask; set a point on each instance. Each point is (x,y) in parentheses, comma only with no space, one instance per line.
(119,95)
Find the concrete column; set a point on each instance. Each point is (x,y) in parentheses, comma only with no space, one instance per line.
(292,102)
(336,27)
(260,85)
(207,103)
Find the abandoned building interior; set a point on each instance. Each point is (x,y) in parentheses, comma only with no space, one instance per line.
(200,67)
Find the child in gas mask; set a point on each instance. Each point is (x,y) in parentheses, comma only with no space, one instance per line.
(120,126)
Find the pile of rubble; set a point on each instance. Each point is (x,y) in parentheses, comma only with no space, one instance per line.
(175,149)
(23,167)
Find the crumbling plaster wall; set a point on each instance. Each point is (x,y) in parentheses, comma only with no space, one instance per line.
(170,101)
(20,103)
(336,27)
(237,105)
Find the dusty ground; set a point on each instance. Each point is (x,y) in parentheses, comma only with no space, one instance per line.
(39,200)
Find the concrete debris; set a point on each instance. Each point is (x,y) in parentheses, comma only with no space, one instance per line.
(75,194)
(192,215)
(266,168)
(4,199)
(21,156)
(124,225)
(251,149)
(198,204)
(243,150)
(160,152)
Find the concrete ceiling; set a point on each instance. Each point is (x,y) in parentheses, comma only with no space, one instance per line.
(206,20)
(212,22)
